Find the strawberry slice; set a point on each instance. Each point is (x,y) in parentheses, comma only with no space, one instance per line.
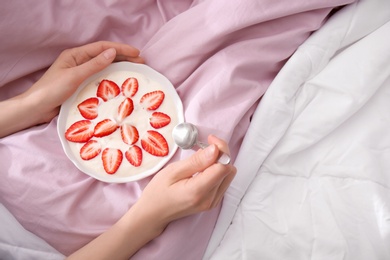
(80,131)
(152,100)
(89,108)
(129,134)
(134,155)
(112,159)
(90,150)
(105,127)
(130,87)
(125,109)
(107,90)
(159,120)
(155,144)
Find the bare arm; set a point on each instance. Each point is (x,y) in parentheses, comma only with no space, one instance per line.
(172,193)
(40,103)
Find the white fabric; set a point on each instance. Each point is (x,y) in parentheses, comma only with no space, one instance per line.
(18,244)
(313,176)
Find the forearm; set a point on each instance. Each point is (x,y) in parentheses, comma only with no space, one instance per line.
(123,239)
(18,113)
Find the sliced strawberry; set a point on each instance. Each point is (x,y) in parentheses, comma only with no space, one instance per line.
(89,108)
(105,127)
(134,155)
(155,144)
(90,150)
(80,131)
(125,108)
(152,100)
(107,90)
(129,134)
(130,87)
(159,120)
(112,159)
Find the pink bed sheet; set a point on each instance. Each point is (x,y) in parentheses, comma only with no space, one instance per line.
(220,55)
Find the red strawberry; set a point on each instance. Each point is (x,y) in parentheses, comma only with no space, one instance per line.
(130,87)
(80,131)
(89,108)
(125,109)
(112,159)
(129,134)
(152,100)
(155,144)
(105,127)
(159,120)
(90,150)
(134,155)
(107,90)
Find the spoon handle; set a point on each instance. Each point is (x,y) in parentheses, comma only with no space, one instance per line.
(223,158)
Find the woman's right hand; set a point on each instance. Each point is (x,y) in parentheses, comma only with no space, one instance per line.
(182,188)
(185,187)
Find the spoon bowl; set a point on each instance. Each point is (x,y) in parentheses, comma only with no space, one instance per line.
(185,136)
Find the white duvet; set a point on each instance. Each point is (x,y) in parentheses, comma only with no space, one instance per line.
(314,171)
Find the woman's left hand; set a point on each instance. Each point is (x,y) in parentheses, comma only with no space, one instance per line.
(71,68)
(42,101)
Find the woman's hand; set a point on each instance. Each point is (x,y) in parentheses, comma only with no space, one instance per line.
(71,68)
(40,103)
(182,188)
(186,187)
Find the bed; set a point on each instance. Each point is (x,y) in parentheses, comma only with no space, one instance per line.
(305,114)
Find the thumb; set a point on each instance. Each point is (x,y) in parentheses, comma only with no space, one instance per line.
(198,162)
(95,64)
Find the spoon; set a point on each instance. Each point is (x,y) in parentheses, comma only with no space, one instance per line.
(186,137)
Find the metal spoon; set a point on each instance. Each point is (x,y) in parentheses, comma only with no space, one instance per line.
(186,137)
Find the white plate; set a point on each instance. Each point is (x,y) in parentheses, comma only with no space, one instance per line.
(68,106)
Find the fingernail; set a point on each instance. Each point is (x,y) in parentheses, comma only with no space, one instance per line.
(109,54)
(209,151)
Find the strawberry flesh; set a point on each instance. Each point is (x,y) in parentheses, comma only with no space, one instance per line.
(159,120)
(129,134)
(155,144)
(112,159)
(152,100)
(105,127)
(130,87)
(134,155)
(90,150)
(125,109)
(107,90)
(80,131)
(89,108)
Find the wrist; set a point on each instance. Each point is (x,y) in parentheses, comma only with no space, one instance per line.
(141,216)
(16,114)
(38,106)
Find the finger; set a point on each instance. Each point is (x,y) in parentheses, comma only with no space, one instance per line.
(217,187)
(86,52)
(224,155)
(195,163)
(222,145)
(212,178)
(138,59)
(121,49)
(224,186)
(93,65)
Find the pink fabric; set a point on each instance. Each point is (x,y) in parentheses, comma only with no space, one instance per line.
(220,55)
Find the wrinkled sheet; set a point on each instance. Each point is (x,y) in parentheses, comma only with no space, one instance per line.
(319,184)
(220,55)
